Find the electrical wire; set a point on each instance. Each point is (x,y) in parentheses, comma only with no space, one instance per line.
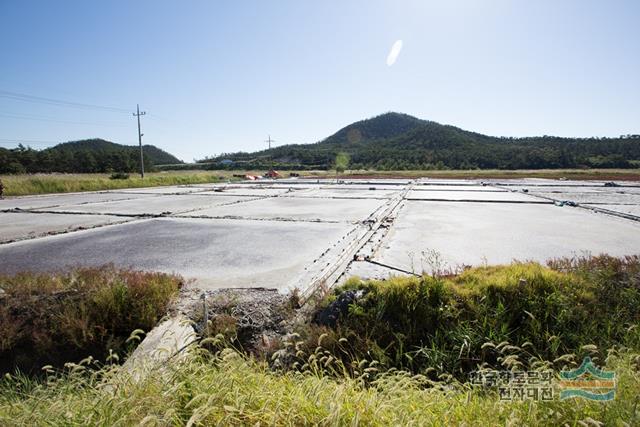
(58,102)
(50,119)
(15,96)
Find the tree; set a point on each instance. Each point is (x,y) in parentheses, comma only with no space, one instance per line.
(342,163)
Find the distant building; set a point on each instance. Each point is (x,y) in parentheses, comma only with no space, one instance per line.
(226,162)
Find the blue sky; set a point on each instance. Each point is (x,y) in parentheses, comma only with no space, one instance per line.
(219,76)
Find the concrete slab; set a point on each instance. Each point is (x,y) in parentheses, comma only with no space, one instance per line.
(480,196)
(27,225)
(438,187)
(218,253)
(369,271)
(260,234)
(294,185)
(54,200)
(624,209)
(329,193)
(379,181)
(209,186)
(596,197)
(537,181)
(298,209)
(474,233)
(251,192)
(545,182)
(627,190)
(169,340)
(436,181)
(168,204)
(253,186)
(561,190)
(363,186)
(175,189)
(561,183)
(347,181)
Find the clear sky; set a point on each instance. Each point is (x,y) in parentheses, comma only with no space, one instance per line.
(219,76)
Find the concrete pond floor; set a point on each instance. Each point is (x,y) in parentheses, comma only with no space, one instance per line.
(306,233)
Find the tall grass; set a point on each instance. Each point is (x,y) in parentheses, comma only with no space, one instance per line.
(229,389)
(65,317)
(451,325)
(22,185)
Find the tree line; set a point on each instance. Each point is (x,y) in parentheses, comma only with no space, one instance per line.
(87,156)
(28,160)
(435,146)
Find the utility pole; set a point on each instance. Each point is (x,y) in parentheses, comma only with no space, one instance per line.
(270,155)
(138,114)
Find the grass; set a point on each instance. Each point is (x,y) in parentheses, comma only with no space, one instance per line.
(57,318)
(229,389)
(22,185)
(400,355)
(449,325)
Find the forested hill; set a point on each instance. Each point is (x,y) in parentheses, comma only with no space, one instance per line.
(156,155)
(90,155)
(394,141)
(387,125)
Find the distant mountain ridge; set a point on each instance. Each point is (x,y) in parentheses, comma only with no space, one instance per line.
(396,141)
(156,155)
(84,156)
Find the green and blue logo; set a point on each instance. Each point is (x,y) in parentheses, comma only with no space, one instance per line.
(589,382)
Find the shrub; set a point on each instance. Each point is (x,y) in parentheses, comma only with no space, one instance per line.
(63,317)
(119,175)
(454,324)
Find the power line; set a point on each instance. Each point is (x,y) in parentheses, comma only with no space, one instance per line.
(155,116)
(57,102)
(49,119)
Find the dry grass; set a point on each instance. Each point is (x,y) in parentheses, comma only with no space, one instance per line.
(22,185)
(62,317)
(229,389)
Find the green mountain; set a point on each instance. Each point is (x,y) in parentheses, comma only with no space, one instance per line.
(395,141)
(387,125)
(89,155)
(97,146)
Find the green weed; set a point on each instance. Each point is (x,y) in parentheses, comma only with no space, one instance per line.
(21,185)
(451,325)
(62,317)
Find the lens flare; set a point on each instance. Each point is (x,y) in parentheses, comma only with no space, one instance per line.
(393,54)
